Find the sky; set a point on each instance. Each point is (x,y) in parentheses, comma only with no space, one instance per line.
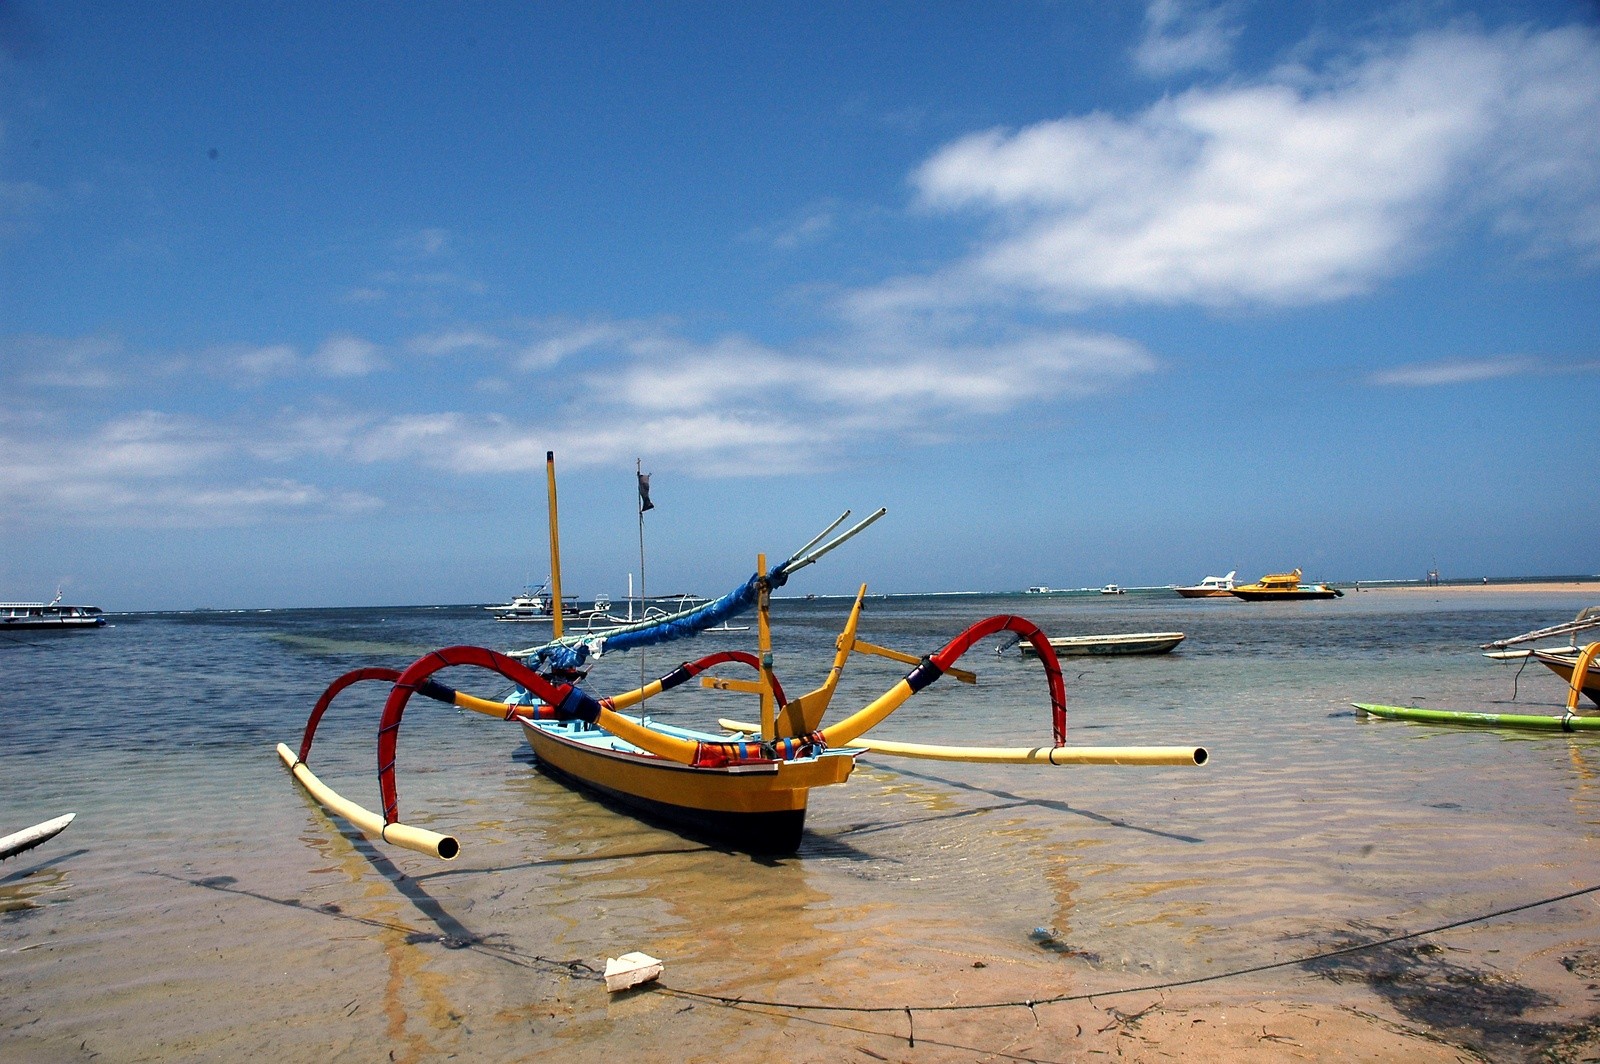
(294,298)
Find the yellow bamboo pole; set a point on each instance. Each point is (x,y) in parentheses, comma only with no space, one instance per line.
(867,717)
(555,545)
(421,840)
(1580,673)
(804,714)
(646,738)
(1037,755)
(1044,755)
(769,704)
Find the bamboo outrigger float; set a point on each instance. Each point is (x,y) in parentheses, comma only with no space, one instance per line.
(749,789)
(1569,721)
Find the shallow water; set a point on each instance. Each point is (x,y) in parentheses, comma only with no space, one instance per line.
(202,907)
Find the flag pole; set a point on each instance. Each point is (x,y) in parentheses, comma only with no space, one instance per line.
(644,504)
(555,546)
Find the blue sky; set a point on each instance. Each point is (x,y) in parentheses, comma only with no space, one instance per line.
(295,297)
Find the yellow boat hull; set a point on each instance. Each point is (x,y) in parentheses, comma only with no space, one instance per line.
(1563,666)
(758,807)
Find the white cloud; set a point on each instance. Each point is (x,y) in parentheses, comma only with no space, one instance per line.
(85,362)
(346,356)
(256,364)
(805,229)
(731,405)
(1308,186)
(1184,35)
(424,243)
(1473,370)
(147,469)
(559,342)
(454,342)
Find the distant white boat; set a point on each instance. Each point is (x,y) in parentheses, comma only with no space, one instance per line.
(50,614)
(1210,587)
(531,605)
(1124,643)
(1112,589)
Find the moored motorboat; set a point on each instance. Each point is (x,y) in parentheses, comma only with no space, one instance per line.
(49,615)
(1112,589)
(532,605)
(1284,587)
(1210,587)
(1121,643)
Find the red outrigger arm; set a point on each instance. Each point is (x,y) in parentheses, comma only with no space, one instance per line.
(1025,629)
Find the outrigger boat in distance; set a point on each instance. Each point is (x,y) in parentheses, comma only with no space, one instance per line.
(1284,587)
(1210,587)
(1122,643)
(747,790)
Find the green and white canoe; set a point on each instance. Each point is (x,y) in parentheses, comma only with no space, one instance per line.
(1566,722)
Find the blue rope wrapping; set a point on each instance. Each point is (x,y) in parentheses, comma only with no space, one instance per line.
(571,655)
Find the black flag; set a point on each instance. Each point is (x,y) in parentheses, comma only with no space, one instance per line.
(644,493)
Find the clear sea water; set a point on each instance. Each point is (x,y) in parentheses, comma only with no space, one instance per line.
(201,907)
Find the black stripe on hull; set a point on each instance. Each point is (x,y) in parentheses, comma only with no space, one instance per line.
(767,834)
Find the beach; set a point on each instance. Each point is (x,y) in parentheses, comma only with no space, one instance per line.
(1326,885)
(1590,588)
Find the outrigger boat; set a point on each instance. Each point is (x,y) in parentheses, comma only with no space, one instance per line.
(749,789)
(1570,720)
(1561,660)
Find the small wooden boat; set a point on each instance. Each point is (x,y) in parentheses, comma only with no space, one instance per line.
(26,839)
(1210,587)
(1284,587)
(1124,643)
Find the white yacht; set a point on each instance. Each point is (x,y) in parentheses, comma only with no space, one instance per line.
(50,614)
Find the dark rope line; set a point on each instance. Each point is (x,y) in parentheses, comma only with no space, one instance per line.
(1174,984)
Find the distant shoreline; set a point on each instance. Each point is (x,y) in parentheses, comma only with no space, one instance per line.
(1591,586)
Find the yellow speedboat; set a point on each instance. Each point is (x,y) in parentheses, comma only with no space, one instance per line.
(1282,587)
